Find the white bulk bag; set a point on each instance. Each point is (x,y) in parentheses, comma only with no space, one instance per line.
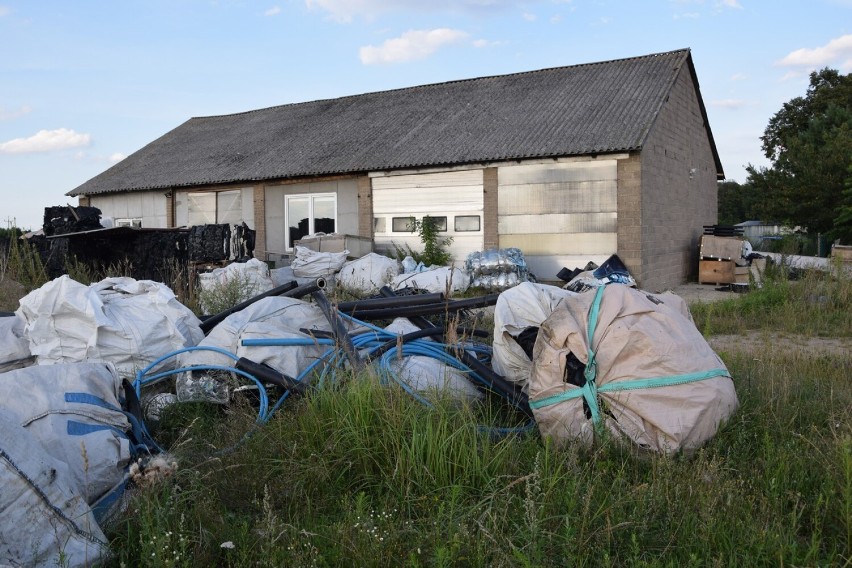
(368,273)
(14,347)
(435,280)
(252,278)
(525,305)
(127,322)
(311,264)
(638,340)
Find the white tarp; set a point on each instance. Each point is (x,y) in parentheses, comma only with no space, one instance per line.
(429,375)
(274,317)
(368,273)
(636,336)
(251,278)
(127,322)
(435,280)
(14,347)
(311,264)
(526,305)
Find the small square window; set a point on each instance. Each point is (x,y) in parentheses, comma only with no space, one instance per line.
(379,225)
(467,223)
(403,224)
(440,223)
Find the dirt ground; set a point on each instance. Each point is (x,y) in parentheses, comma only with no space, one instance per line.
(757,342)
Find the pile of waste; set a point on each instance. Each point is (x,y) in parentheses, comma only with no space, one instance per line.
(608,359)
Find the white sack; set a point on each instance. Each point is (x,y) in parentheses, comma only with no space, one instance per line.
(428,375)
(525,305)
(44,520)
(637,336)
(14,347)
(312,264)
(269,318)
(253,277)
(66,407)
(126,322)
(368,273)
(435,280)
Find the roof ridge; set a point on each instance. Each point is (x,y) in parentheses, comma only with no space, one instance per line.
(450,82)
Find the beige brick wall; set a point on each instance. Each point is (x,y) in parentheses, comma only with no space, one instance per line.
(678,190)
(629,214)
(365,207)
(260,221)
(490,238)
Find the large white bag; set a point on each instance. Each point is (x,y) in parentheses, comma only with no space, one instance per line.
(311,264)
(435,280)
(14,347)
(251,277)
(127,322)
(654,381)
(368,273)
(524,306)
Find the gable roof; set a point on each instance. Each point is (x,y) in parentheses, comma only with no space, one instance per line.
(594,108)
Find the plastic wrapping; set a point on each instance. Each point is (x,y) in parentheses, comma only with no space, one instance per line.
(497,269)
(203,386)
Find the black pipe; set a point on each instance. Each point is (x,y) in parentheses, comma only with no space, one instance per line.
(496,383)
(341,334)
(389,302)
(210,322)
(428,309)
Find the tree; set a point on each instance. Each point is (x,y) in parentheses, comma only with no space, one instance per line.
(738,203)
(809,142)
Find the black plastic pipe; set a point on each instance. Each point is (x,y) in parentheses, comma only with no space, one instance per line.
(210,323)
(341,334)
(448,306)
(389,302)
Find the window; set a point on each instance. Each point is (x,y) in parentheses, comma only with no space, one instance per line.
(440,223)
(467,223)
(309,214)
(379,224)
(209,207)
(128,222)
(402,224)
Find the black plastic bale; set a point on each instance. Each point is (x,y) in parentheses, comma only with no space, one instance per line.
(64,219)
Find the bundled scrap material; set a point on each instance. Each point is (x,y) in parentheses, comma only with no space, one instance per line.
(64,219)
(612,271)
(497,269)
(65,444)
(127,322)
(632,365)
(218,242)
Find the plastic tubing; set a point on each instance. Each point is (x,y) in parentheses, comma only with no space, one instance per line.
(210,322)
(390,302)
(429,309)
(285,342)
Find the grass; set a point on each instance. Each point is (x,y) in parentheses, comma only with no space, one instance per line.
(357,474)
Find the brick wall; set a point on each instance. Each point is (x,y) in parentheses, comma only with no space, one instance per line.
(260,221)
(365,207)
(678,190)
(491,238)
(629,212)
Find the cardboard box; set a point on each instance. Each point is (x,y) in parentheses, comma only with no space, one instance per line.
(716,272)
(723,248)
(843,252)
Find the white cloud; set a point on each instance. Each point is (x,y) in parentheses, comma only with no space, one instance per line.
(46,141)
(556,18)
(529,17)
(117,157)
(730,4)
(5,11)
(729,103)
(836,52)
(10,114)
(412,45)
(274,11)
(738,77)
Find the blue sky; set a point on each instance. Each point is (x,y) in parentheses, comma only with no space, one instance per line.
(85,83)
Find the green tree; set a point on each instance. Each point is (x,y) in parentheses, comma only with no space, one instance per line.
(809,142)
(738,203)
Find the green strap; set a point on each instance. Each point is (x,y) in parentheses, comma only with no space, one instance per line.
(590,390)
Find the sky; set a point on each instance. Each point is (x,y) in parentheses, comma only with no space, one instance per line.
(84,84)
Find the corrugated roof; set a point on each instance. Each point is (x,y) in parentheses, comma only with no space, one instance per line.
(593,108)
